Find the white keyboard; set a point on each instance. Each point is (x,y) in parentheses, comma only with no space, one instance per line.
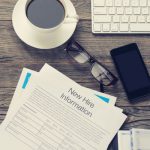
(120,16)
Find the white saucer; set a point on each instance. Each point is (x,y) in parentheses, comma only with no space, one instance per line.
(46,40)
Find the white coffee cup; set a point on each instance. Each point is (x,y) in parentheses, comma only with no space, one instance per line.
(44,38)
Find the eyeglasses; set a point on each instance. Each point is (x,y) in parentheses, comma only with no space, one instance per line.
(99,72)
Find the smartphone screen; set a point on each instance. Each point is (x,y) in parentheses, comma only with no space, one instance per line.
(132,70)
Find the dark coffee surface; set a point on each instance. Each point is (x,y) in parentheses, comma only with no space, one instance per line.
(45,13)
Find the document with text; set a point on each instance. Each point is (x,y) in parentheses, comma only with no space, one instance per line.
(28,74)
(55,114)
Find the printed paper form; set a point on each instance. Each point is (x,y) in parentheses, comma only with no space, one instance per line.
(124,140)
(48,71)
(25,77)
(28,74)
(140,139)
(33,134)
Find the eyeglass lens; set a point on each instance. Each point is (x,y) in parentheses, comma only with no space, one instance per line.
(101,74)
(80,57)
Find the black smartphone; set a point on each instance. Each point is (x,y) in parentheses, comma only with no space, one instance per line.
(132,71)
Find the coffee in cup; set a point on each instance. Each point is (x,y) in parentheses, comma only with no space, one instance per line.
(45,13)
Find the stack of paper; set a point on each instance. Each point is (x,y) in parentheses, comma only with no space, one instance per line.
(135,139)
(49,111)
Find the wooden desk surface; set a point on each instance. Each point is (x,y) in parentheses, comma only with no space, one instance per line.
(14,55)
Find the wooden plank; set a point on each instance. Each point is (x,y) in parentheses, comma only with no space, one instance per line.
(82,8)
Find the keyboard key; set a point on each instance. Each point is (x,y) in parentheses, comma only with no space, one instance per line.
(141,19)
(128,10)
(106,27)
(137,11)
(109,2)
(124,27)
(116,18)
(143,2)
(133,19)
(97,27)
(148,2)
(134,2)
(114,27)
(145,10)
(140,27)
(112,11)
(120,10)
(148,19)
(118,2)
(100,10)
(102,18)
(99,2)
(125,18)
(126,2)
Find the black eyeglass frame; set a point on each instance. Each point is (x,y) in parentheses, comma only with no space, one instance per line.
(92,60)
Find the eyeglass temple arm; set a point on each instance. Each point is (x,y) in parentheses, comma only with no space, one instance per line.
(102,88)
